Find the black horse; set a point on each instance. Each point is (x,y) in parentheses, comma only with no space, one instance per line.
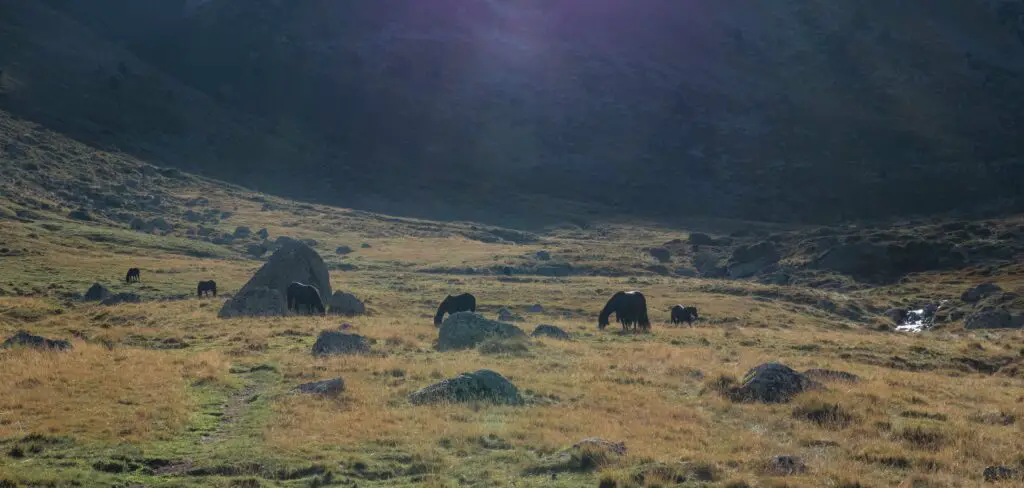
(630,309)
(300,294)
(206,287)
(682,314)
(454,304)
(134,275)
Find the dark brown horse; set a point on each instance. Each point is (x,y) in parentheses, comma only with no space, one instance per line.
(134,275)
(302,295)
(206,288)
(682,314)
(454,304)
(630,309)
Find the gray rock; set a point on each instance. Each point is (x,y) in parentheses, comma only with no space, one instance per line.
(196,202)
(536,308)
(24,339)
(333,343)
(242,232)
(138,223)
(993,318)
(343,250)
(897,315)
(255,250)
(255,302)
(310,242)
(550,331)
(661,254)
(331,387)
(687,272)
(771,383)
(263,234)
(96,293)
(700,239)
(709,265)
(483,385)
(465,330)
(980,292)
(543,255)
(193,216)
(121,298)
(342,303)
(80,214)
(365,245)
(292,262)
(159,223)
(785,466)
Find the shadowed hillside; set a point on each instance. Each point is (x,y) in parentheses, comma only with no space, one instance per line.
(798,109)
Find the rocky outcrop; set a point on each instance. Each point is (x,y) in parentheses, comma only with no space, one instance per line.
(465,330)
(96,293)
(747,261)
(980,292)
(770,383)
(331,387)
(551,331)
(993,318)
(483,385)
(265,292)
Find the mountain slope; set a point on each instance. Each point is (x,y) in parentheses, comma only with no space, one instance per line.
(796,109)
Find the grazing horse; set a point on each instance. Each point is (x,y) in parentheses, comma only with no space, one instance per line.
(206,287)
(454,304)
(300,294)
(134,275)
(682,314)
(630,309)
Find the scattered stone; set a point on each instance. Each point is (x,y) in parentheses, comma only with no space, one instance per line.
(709,265)
(550,331)
(506,315)
(196,202)
(483,385)
(255,250)
(159,223)
(999,473)
(242,232)
(831,375)
(96,293)
(770,383)
(543,255)
(701,239)
(331,387)
(347,304)
(24,339)
(464,330)
(980,292)
(343,250)
(310,242)
(785,466)
(293,262)
(331,343)
(995,318)
(193,216)
(120,298)
(661,254)
(263,234)
(747,261)
(537,308)
(255,302)
(365,245)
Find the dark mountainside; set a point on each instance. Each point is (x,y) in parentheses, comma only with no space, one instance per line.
(785,110)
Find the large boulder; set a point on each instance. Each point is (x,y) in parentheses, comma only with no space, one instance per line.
(342,303)
(700,239)
(771,383)
(464,330)
(293,261)
(887,262)
(661,254)
(980,292)
(24,339)
(993,318)
(333,343)
(255,302)
(483,385)
(96,293)
(747,261)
